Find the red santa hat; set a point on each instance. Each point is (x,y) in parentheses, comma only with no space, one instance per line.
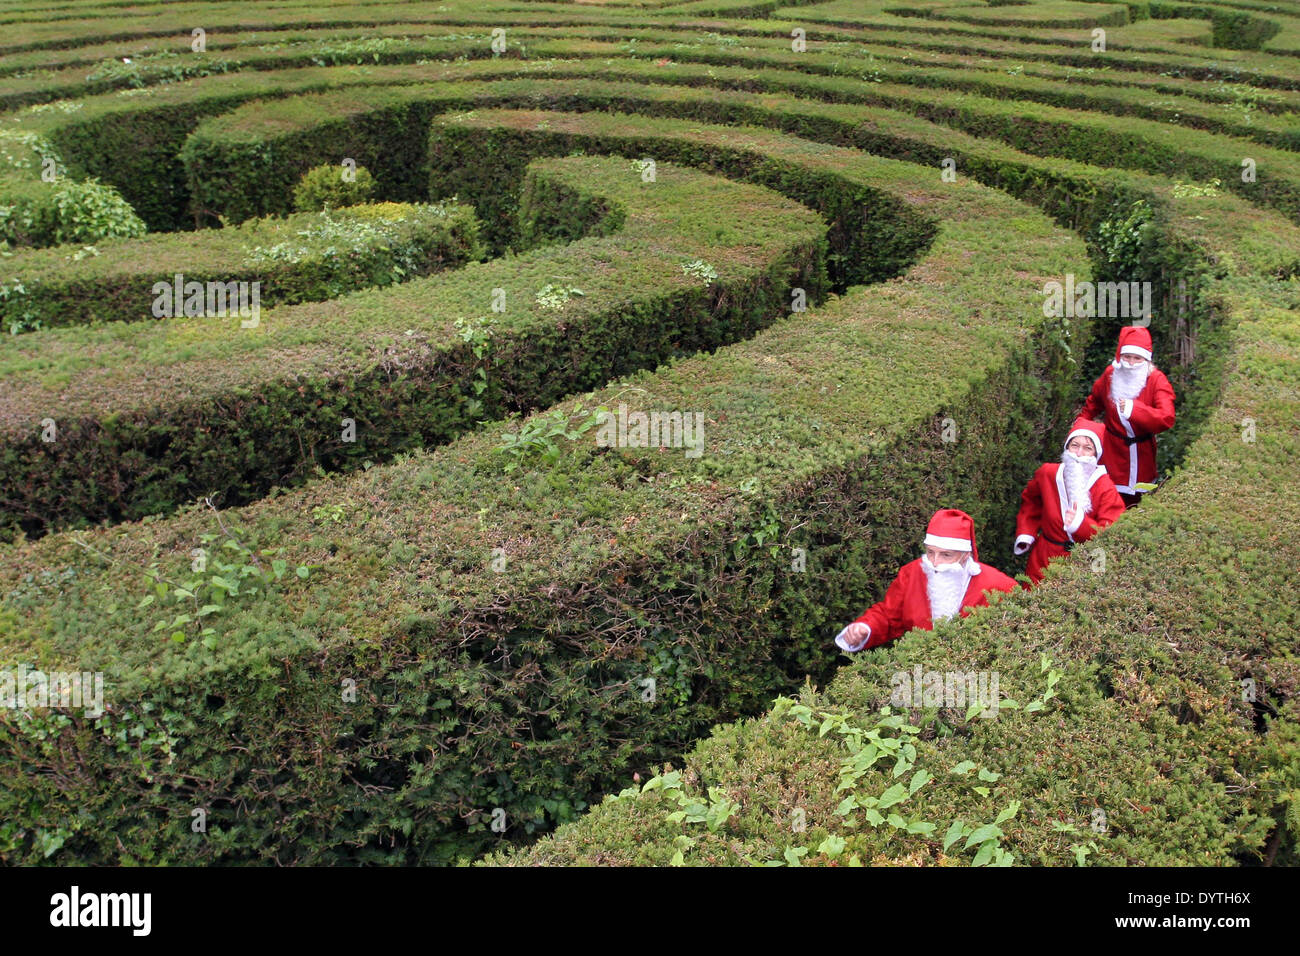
(953,530)
(1087,429)
(1133,340)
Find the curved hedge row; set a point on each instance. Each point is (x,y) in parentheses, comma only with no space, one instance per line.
(534,671)
(304,257)
(235,147)
(145,421)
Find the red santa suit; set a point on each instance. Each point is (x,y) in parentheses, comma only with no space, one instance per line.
(912,599)
(1046,500)
(1129,445)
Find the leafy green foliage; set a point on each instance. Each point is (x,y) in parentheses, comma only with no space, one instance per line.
(554,297)
(537,439)
(332,186)
(221,575)
(67,211)
(1123,237)
(303,257)
(1191,190)
(156,69)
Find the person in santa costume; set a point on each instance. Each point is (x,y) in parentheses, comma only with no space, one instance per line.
(948,580)
(1136,402)
(1068,502)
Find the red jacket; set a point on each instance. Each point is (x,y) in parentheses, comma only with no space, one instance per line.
(1042,514)
(1153,411)
(907,605)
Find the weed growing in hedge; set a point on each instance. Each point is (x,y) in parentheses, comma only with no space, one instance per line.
(556,297)
(1122,236)
(158,68)
(713,812)
(22,150)
(1191,190)
(479,339)
(699,269)
(867,747)
(25,320)
(331,513)
(212,584)
(537,436)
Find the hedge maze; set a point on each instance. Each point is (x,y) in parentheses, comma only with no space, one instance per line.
(562,455)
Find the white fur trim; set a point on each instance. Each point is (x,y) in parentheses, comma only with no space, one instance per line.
(843,645)
(1132,458)
(1135,350)
(948,544)
(1060,496)
(1073,526)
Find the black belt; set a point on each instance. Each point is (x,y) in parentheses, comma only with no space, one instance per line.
(1126,439)
(1067,545)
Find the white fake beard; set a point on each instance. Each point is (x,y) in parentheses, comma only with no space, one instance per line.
(1075,472)
(1128,382)
(945,586)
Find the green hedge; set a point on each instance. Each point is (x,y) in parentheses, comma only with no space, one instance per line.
(1060,48)
(305,257)
(1230,29)
(144,422)
(522,689)
(1172,730)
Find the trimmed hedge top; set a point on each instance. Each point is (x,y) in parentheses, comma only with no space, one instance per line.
(300,258)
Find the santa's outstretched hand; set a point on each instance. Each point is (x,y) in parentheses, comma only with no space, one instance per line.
(853,637)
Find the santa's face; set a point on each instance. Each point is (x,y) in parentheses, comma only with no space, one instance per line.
(1082,448)
(939,557)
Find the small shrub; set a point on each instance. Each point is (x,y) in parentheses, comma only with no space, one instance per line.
(325,187)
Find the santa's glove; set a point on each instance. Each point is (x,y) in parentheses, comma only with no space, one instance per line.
(854,637)
(1024,543)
